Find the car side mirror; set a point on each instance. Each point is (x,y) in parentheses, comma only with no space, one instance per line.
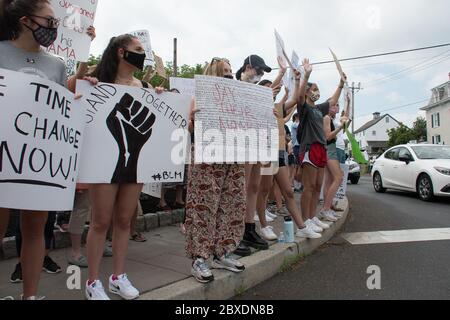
(405,158)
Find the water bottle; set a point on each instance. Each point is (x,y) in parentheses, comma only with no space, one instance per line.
(281,238)
(289,230)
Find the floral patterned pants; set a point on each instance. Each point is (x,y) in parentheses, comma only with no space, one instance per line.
(215,209)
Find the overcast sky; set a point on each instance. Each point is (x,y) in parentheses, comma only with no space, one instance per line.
(235,29)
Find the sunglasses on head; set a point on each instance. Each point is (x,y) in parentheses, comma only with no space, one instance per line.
(51,22)
(220,60)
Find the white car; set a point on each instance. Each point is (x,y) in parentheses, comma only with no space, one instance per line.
(421,168)
(354,171)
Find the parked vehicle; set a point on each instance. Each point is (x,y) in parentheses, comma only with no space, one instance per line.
(421,168)
(354,173)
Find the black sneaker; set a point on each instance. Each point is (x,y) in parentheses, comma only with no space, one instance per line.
(253,239)
(16,276)
(50,266)
(242,250)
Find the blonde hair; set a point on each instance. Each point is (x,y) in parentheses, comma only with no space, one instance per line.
(216,67)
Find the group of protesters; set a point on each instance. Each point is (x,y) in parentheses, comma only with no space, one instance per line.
(223,200)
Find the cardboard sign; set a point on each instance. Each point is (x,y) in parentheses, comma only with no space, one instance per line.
(41,135)
(153,189)
(133,135)
(76,16)
(338,65)
(281,50)
(160,70)
(235,124)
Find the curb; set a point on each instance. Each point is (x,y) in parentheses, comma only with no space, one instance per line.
(260,267)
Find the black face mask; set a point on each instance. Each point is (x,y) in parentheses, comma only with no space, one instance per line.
(227,76)
(135,59)
(44,36)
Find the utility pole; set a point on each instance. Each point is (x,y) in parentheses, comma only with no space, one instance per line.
(357,89)
(175,62)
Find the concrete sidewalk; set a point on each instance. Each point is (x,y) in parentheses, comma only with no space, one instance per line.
(160,269)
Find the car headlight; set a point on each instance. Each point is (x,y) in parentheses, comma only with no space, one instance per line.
(443,170)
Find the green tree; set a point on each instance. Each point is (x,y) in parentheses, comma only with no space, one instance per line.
(403,134)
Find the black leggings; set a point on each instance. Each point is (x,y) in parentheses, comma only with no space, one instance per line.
(49,236)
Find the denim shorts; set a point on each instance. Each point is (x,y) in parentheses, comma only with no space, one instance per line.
(332,152)
(341,155)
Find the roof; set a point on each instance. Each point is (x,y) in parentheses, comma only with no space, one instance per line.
(373,122)
(436,104)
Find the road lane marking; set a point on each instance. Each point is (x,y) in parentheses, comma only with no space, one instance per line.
(400,236)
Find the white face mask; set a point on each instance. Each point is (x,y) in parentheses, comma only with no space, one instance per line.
(255,79)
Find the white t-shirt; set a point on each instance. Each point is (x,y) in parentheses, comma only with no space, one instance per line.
(340,143)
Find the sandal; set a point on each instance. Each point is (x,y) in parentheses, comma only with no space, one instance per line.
(138,237)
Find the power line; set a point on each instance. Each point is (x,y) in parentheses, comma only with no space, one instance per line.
(399,107)
(380,54)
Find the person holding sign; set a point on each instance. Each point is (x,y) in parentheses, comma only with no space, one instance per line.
(252,71)
(25,26)
(313,154)
(333,172)
(282,176)
(117,201)
(215,206)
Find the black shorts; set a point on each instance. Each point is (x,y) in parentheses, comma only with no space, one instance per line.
(281,159)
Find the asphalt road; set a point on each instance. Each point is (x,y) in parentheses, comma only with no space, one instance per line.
(338,270)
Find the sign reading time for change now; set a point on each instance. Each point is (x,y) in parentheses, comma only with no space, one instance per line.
(41,134)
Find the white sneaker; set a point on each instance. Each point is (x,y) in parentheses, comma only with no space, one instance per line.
(201,271)
(308,233)
(228,263)
(268,219)
(270,214)
(29,298)
(313,226)
(95,291)
(327,216)
(268,234)
(123,287)
(337,215)
(320,224)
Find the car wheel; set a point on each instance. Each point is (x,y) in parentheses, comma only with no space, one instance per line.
(425,188)
(354,180)
(378,183)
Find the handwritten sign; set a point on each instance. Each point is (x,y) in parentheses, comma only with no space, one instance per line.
(144,38)
(297,65)
(183,85)
(76,16)
(281,50)
(133,135)
(338,65)
(160,70)
(236,123)
(153,189)
(41,135)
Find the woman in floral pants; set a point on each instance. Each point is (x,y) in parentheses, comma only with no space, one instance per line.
(215,207)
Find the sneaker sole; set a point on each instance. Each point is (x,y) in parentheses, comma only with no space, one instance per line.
(243,253)
(113,291)
(16,281)
(202,280)
(51,272)
(255,245)
(216,265)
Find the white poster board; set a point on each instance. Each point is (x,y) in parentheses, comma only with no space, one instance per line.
(281,53)
(144,38)
(185,86)
(73,42)
(41,134)
(338,65)
(133,134)
(235,124)
(297,65)
(153,189)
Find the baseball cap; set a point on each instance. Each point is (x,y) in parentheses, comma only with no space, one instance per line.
(254,61)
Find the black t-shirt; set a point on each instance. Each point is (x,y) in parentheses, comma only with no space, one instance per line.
(311,125)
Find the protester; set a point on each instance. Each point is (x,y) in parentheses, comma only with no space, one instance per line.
(296,151)
(117,201)
(26,27)
(313,155)
(333,171)
(215,207)
(252,71)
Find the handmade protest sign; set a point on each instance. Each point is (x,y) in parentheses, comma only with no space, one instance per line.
(73,43)
(281,50)
(153,189)
(235,123)
(185,86)
(160,67)
(41,134)
(144,38)
(338,65)
(133,135)
(297,65)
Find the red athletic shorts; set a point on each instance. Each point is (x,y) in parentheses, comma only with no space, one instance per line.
(316,156)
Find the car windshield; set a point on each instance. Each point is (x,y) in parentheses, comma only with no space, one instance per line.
(434,152)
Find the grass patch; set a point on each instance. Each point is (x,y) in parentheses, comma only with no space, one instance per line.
(290,262)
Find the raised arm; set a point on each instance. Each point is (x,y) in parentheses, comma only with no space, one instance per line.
(281,73)
(330,135)
(304,84)
(291,103)
(335,98)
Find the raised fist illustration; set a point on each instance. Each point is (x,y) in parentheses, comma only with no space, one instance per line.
(130,123)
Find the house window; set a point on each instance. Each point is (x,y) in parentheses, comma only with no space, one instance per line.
(437,139)
(435,120)
(374,133)
(441,94)
(387,119)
